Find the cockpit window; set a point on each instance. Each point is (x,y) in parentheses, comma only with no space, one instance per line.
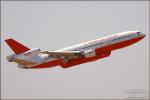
(138,32)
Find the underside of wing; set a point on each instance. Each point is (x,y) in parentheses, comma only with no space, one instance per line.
(24,62)
(66,55)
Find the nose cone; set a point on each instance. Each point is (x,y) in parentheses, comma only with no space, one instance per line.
(143,35)
(140,34)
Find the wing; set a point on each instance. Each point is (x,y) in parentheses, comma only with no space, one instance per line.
(24,62)
(66,55)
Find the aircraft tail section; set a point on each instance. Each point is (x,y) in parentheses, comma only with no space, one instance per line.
(16,46)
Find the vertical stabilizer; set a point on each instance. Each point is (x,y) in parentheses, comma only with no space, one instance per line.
(16,46)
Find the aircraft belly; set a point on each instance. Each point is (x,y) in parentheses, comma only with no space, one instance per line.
(84,60)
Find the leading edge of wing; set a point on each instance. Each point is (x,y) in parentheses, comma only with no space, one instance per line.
(63,53)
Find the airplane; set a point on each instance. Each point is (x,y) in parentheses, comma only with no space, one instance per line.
(89,51)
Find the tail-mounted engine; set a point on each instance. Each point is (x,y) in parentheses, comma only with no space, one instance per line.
(31,53)
(28,54)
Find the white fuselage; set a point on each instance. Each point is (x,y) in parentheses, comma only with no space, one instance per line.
(101,42)
(89,45)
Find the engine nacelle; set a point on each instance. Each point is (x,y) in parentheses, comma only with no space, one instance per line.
(31,53)
(28,54)
(89,53)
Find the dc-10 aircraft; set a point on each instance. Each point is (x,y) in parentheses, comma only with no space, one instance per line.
(81,53)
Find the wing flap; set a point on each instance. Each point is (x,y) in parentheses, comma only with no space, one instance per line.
(66,55)
(63,53)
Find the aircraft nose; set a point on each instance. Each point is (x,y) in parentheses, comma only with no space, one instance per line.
(143,35)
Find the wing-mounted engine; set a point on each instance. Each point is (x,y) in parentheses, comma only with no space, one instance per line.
(88,56)
(89,53)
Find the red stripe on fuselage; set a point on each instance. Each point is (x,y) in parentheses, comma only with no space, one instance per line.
(104,50)
(119,45)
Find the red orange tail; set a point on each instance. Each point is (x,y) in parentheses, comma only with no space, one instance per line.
(16,46)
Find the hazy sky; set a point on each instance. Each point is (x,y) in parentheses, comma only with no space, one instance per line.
(52,25)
